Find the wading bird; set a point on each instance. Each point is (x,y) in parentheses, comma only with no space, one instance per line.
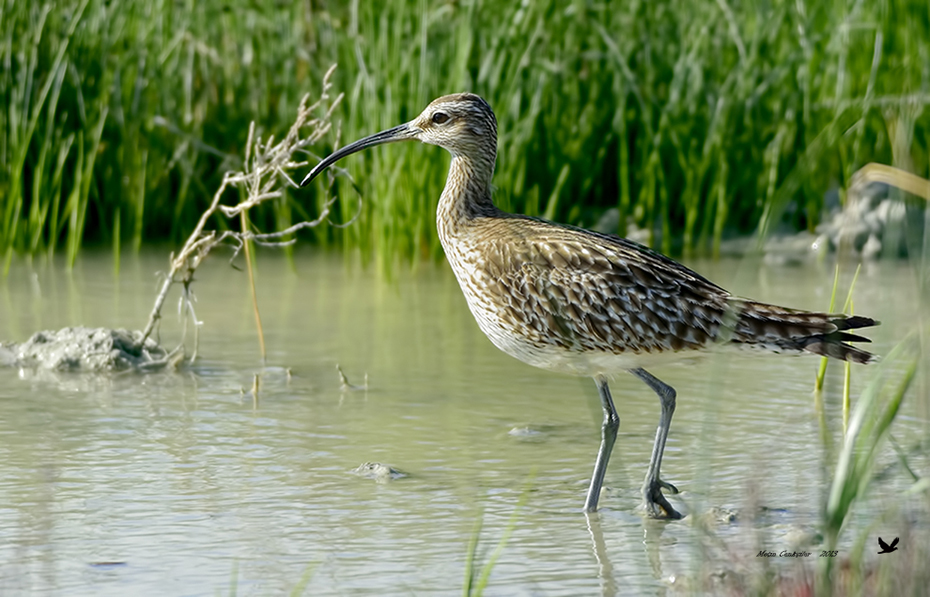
(585,303)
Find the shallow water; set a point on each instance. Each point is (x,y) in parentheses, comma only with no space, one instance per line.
(182,484)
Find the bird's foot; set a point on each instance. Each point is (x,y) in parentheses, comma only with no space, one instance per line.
(656,504)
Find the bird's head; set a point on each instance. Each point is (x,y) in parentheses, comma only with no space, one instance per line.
(463,123)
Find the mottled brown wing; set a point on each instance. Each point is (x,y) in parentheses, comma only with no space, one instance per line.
(585,291)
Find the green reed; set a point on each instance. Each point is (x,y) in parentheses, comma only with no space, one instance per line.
(477,578)
(874,413)
(695,120)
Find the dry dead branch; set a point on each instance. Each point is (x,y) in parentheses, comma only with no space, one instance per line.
(265,170)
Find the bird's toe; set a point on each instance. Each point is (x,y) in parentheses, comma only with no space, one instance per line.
(657,505)
(666,485)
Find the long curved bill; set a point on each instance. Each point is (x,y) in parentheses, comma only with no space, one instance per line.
(401,132)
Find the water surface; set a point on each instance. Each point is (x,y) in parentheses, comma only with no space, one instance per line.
(183,484)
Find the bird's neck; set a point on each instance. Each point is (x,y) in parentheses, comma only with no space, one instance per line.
(467,196)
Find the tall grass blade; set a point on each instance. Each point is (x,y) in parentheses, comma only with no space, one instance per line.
(80,193)
(873,415)
(470,558)
(822,371)
(301,587)
(476,582)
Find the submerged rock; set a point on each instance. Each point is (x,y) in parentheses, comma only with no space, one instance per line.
(382,473)
(84,349)
(779,249)
(872,223)
(524,432)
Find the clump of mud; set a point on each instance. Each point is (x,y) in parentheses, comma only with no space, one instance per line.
(83,349)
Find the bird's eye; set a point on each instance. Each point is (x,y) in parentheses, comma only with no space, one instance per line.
(440,117)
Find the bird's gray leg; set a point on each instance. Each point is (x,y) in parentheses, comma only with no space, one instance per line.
(656,504)
(608,437)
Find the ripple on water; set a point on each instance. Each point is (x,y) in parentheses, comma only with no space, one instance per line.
(180,479)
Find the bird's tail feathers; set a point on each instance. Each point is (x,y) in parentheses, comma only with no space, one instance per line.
(780,329)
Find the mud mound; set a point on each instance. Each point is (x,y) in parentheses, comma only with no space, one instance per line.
(85,349)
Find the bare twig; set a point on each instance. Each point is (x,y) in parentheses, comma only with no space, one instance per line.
(265,169)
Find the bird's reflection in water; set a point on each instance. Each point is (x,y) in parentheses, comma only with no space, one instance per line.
(605,571)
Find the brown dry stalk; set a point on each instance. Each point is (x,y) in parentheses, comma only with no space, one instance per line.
(266,167)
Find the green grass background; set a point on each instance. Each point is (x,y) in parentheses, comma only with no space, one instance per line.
(695,118)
